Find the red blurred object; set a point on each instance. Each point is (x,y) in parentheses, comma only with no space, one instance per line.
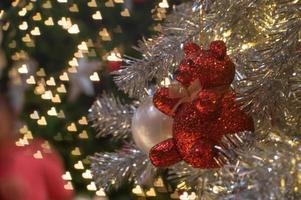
(202,120)
(114,65)
(299,48)
(24,177)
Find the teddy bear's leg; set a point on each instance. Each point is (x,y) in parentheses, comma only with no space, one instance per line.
(201,155)
(164,102)
(164,154)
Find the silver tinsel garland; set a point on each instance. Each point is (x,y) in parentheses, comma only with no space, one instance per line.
(161,54)
(264,40)
(111,118)
(128,164)
(265,169)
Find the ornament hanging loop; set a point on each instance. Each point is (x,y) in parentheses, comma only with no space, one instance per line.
(202,36)
(203,7)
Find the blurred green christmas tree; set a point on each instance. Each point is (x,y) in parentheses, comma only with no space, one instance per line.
(58,55)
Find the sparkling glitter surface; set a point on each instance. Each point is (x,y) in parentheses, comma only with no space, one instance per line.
(165,154)
(164,102)
(199,124)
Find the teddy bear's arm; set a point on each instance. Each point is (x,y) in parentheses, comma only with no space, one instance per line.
(164,102)
(208,103)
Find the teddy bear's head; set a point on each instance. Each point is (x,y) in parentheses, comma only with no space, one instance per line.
(212,67)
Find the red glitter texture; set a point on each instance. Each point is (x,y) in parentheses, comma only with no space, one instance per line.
(201,123)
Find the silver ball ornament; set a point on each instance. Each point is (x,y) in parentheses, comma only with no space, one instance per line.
(150,126)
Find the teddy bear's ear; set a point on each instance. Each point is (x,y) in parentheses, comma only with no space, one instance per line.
(218,48)
(191,48)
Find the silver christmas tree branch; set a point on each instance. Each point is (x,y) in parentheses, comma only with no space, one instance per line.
(233,143)
(272,64)
(202,4)
(110,117)
(206,181)
(268,169)
(161,54)
(263,37)
(111,170)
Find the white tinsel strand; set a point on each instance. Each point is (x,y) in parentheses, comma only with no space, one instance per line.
(270,169)
(111,118)
(202,4)
(268,69)
(202,180)
(161,54)
(262,36)
(111,170)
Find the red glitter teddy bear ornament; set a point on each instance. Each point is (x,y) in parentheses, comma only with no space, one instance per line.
(205,113)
